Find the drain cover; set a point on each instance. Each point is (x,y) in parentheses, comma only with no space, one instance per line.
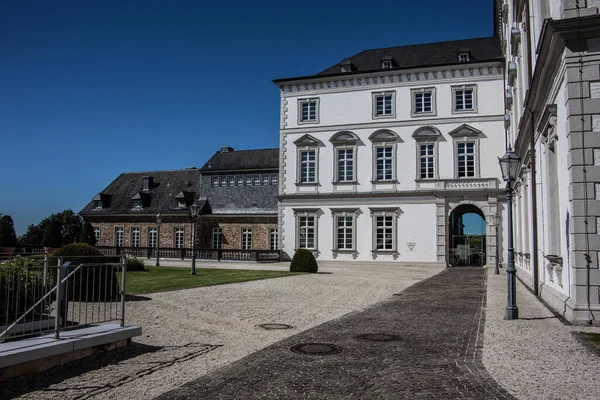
(378,337)
(316,349)
(271,327)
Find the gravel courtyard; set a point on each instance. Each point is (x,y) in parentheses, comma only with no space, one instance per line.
(189,333)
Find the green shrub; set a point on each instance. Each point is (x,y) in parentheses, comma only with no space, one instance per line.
(91,283)
(134,264)
(21,287)
(304,261)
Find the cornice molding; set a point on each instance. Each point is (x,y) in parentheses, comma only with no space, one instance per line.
(384,79)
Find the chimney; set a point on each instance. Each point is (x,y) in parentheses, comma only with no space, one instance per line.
(226,149)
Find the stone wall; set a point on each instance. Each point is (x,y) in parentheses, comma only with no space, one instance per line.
(232,231)
(167,233)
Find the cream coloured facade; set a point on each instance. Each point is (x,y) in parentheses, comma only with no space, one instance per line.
(552,51)
(376,158)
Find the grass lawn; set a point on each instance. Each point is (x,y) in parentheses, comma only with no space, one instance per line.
(164,279)
(592,337)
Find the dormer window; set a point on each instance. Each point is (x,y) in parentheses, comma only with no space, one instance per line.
(181,203)
(98,203)
(146,183)
(345,66)
(463,57)
(137,203)
(387,64)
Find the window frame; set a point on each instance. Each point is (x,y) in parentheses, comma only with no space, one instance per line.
(473,89)
(466,141)
(307,213)
(376,213)
(466,134)
(382,139)
(308,101)
(121,230)
(427,135)
(152,237)
(246,239)
(345,213)
(387,64)
(97,236)
(135,241)
(413,97)
(464,57)
(273,238)
(299,180)
(177,230)
(240,180)
(375,95)
(98,204)
(217,237)
(215,181)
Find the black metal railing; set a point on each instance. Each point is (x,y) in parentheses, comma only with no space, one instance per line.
(201,254)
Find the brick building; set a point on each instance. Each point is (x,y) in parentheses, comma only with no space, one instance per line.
(236,191)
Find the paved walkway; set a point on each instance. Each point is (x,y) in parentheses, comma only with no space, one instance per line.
(424,343)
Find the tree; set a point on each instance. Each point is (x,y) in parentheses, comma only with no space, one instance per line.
(53,234)
(87,234)
(70,229)
(8,237)
(71,226)
(33,235)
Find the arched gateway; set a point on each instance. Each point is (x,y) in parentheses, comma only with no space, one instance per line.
(467,234)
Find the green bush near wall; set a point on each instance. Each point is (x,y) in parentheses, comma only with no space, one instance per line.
(304,261)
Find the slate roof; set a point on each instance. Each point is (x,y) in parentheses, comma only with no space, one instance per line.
(242,160)
(418,56)
(161,196)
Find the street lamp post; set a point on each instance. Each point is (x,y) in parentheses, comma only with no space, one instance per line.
(158,222)
(509,164)
(497,224)
(194,212)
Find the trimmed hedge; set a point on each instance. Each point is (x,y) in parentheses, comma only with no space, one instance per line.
(134,264)
(304,261)
(93,283)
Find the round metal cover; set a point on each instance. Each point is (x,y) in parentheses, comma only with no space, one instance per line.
(378,337)
(316,349)
(273,326)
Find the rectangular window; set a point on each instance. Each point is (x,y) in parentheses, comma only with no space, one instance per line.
(427,160)
(306,232)
(231,180)
(384,232)
(135,237)
(383,104)
(137,203)
(345,165)
(265,179)
(387,64)
(98,203)
(178,238)
(273,239)
(423,102)
(465,159)
(223,180)
(246,239)
(274,179)
(217,238)
(308,163)
(463,57)
(119,236)
(384,159)
(308,110)
(240,180)
(215,181)
(97,235)
(256,180)
(463,99)
(344,232)
(248,180)
(152,236)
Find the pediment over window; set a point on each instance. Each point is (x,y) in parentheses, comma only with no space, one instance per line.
(344,137)
(465,130)
(307,140)
(427,132)
(384,135)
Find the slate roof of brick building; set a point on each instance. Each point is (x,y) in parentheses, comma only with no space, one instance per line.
(228,159)
(118,196)
(417,56)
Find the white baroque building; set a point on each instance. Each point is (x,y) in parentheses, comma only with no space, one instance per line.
(383,153)
(552,51)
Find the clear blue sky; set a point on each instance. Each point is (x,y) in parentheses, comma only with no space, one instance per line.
(90,89)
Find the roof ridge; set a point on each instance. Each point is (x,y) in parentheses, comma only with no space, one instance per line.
(160,170)
(423,44)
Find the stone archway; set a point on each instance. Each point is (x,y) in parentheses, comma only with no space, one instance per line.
(467,236)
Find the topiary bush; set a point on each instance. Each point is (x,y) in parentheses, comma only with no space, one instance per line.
(134,264)
(304,261)
(93,283)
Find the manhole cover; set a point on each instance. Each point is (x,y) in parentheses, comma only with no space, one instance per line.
(271,327)
(378,337)
(320,349)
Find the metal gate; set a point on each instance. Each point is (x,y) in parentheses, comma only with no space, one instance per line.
(467,250)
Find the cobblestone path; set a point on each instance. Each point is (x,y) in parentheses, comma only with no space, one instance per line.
(423,343)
